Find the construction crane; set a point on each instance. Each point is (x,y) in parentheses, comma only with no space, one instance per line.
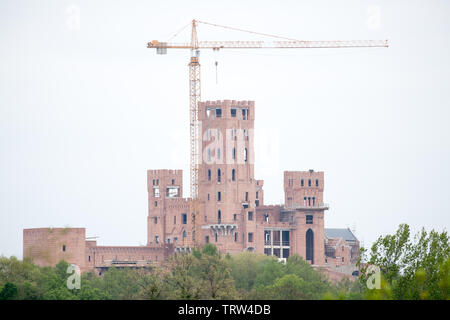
(195,88)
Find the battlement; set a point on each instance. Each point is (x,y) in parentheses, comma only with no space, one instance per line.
(227,109)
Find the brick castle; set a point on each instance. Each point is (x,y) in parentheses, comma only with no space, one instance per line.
(232,212)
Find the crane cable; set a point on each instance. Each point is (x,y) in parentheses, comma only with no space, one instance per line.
(242,30)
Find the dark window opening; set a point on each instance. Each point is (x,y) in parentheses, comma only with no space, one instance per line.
(233,175)
(156,220)
(256,203)
(173,181)
(302,183)
(209,174)
(285,239)
(235,237)
(184,218)
(250,237)
(64,248)
(219,196)
(309,183)
(215,237)
(246,196)
(317,182)
(310,246)
(89,258)
(207,239)
(235,217)
(250,216)
(218,113)
(309,219)
(219,216)
(218,175)
(277,252)
(233,113)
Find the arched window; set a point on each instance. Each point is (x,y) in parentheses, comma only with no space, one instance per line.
(245,155)
(234,153)
(184,234)
(219,216)
(310,246)
(233,175)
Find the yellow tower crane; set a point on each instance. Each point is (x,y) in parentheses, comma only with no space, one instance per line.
(195,88)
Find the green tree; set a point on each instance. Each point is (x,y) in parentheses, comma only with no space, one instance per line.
(9,292)
(411,268)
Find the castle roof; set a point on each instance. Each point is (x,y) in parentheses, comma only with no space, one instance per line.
(345,234)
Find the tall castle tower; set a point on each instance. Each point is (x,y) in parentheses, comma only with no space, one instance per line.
(228,190)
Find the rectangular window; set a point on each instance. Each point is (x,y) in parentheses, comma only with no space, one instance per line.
(244,114)
(268,251)
(309,219)
(235,237)
(256,203)
(207,239)
(250,237)
(317,182)
(285,238)
(235,217)
(246,196)
(218,113)
(309,182)
(219,196)
(156,220)
(286,253)
(172,192)
(157,239)
(302,183)
(250,216)
(277,252)
(267,237)
(156,192)
(184,218)
(233,113)
(256,194)
(64,248)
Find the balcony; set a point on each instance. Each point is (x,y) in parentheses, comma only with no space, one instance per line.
(277,243)
(322,206)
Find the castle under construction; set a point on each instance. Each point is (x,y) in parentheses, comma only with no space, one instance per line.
(231,211)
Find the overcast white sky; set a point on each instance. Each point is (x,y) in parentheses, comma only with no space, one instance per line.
(86,109)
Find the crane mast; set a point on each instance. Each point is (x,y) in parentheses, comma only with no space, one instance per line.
(194,99)
(195,86)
